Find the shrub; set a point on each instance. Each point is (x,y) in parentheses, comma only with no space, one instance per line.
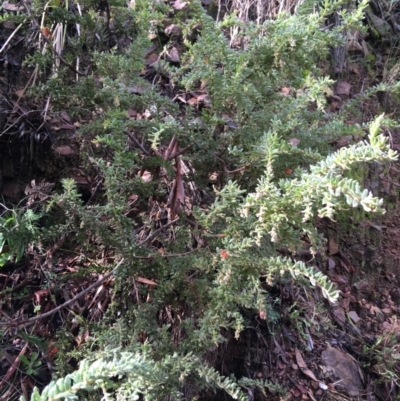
(259,133)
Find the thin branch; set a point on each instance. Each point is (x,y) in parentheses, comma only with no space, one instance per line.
(11,36)
(170,148)
(180,151)
(71,67)
(32,320)
(226,171)
(14,366)
(137,143)
(151,236)
(171,255)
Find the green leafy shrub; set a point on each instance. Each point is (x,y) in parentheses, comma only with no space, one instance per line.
(262,129)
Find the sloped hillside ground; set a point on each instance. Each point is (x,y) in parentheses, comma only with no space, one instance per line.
(315,350)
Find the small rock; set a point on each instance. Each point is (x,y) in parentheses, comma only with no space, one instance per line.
(64,150)
(173,55)
(361,285)
(339,314)
(11,190)
(322,386)
(395,294)
(343,141)
(9,25)
(173,29)
(331,264)
(294,142)
(333,247)
(344,368)
(386,326)
(354,317)
(343,88)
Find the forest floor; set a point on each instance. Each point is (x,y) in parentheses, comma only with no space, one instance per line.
(352,346)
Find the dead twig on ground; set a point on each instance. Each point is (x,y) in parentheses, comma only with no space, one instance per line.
(137,143)
(32,320)
(11,370)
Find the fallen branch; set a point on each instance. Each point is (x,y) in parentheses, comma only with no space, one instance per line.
(32,320)
(137,143)
(11,370)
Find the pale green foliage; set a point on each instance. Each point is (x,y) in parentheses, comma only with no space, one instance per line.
(137,374)
(17,229)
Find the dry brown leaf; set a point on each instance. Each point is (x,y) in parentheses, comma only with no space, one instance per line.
(177,194)
(302,388)
(200,99)
(299,359)
(12,7)
(302,365)
(146,176)
(64,115)
(145,281)
(294,142)
(179,5)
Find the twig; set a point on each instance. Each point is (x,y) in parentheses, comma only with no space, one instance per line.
(13,367)
(31,320)
(170,148)
(180,152)
(94,191)
(137,143)
(151,236)
(226,171)
(71,67)
(171,255)
(11,36)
